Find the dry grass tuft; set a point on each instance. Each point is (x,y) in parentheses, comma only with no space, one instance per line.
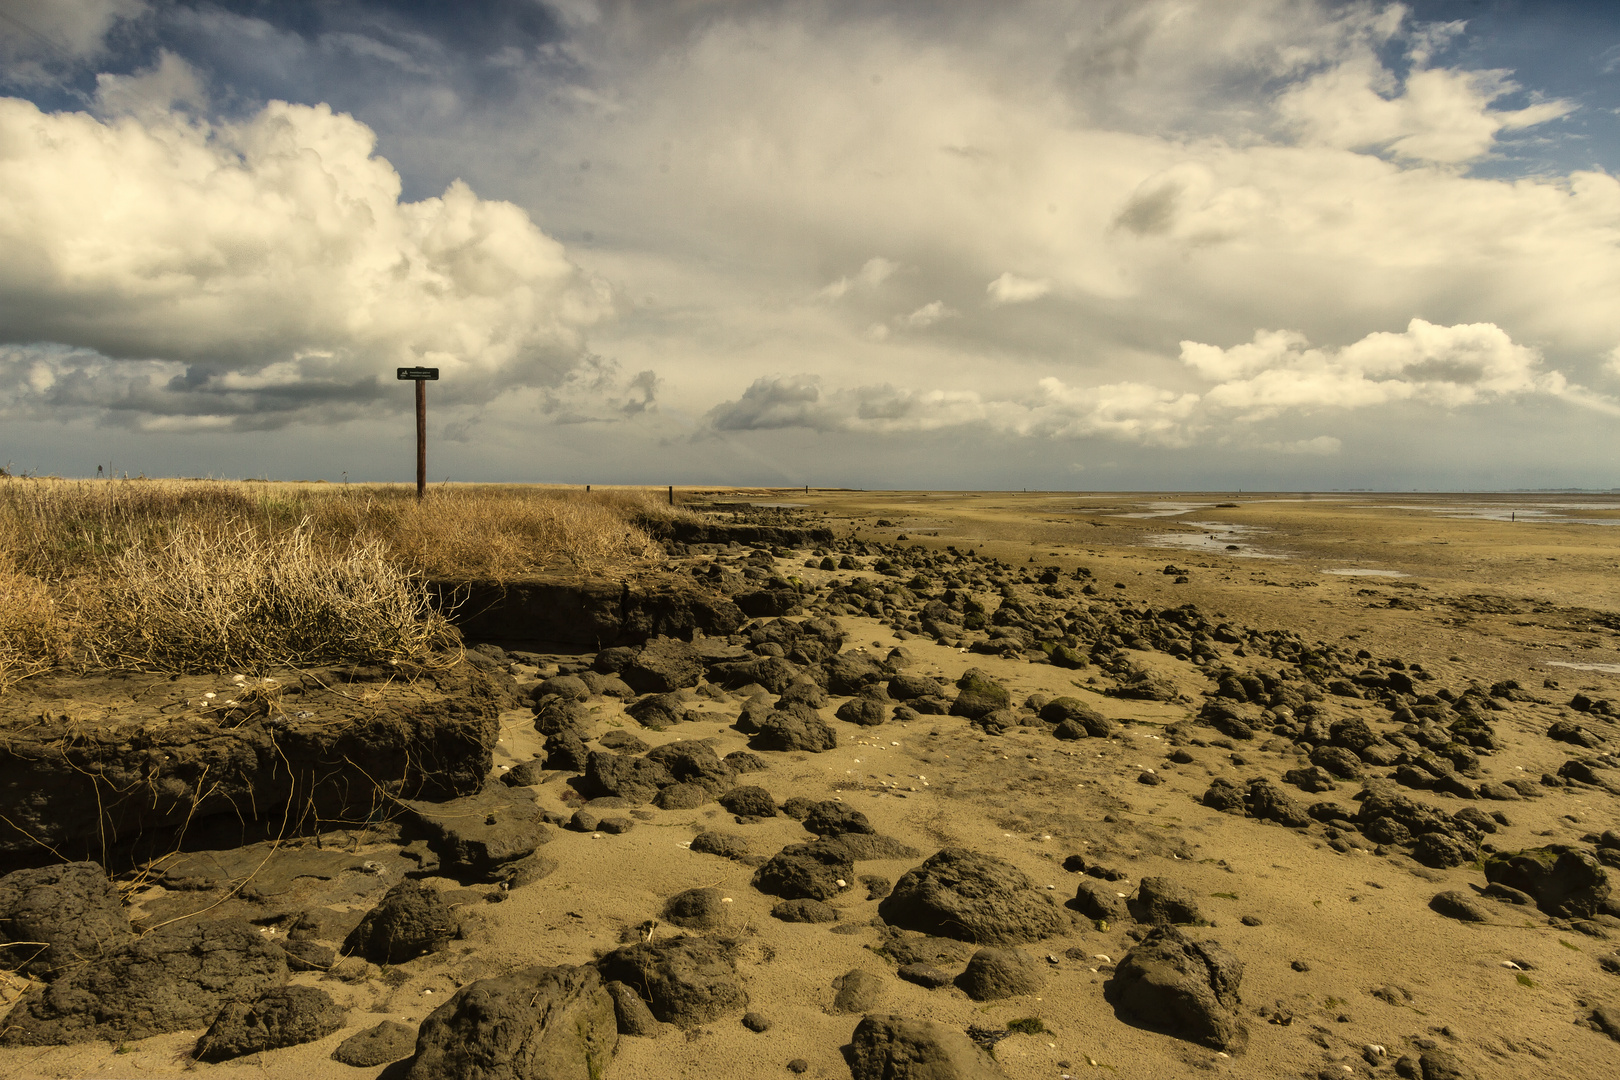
(33,635)
(56,528)
(209,602)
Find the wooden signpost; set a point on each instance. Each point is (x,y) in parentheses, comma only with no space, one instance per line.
(420,375)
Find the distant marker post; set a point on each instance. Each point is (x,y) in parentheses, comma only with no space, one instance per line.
(420,375)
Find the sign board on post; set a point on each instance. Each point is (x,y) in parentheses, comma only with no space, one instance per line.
(419,375)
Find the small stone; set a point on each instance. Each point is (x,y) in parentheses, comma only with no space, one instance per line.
(1095,900)
(829,818)
(523,774)
(993,974)
(749,801)
(1433,1064)
(1160,900)
(1606,1020)
(684,980)
(858,992)
(756,1022)
(1460,906)
(888,1047)
(1188,988)
(556,1021)
(631,1014)
(1300,965)
(806,870)
(1315,779)
(308,955)
(877,886)
(697,909)
(411,919)
(682,796)
(284,1016)
(525,871)
(805,910)
(925,975)
(388,1041)
(798,1065)
(624,742)
(722,844)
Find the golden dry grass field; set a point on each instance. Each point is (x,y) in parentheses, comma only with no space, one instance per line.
(204,575)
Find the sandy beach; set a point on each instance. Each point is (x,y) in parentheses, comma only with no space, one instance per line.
(1345,966)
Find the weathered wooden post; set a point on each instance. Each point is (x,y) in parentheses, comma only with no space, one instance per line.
(420,375)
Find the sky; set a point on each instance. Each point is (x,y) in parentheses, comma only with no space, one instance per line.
(1084,245)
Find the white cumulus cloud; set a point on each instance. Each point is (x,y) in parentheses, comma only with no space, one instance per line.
(1277,373)
(1439,114)
(271,263)
(1442,365)
(873,273)
(1012,289)
(927,315)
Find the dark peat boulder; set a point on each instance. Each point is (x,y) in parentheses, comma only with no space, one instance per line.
(534,1022)
(972,897)
(1185,988)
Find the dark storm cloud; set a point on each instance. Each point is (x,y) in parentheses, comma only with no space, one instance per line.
(773,402)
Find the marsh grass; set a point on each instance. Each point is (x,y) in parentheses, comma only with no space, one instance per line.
(503,531)
(210,601)
(206,576)
(33,636)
